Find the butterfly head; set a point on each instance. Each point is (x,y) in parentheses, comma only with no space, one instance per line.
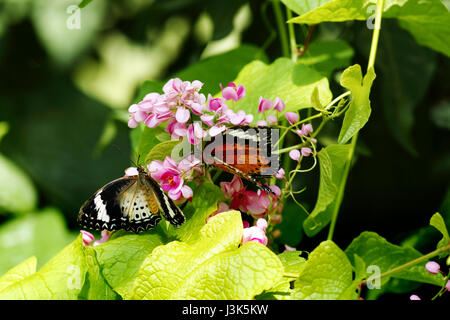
(141,170)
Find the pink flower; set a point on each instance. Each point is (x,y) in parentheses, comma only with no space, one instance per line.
(255,233)
(447,285)
(176,129)
(231,92)
(132,123)
(215,130)
(261,123)
(307,128)
(280,174)
(196,133)
(105,236)
(294,154)
(230,188)
(216,104)
(433,267)
(221,207)
(182,115)
(264,105)
(262,224)
(272,119)
(255,203)
(278,105)
(275,189)
(207,119)
(172,176)
(240,118)
(87,237)
(414,297)
(288,248)
(306,151)
(292,117)
(180,98)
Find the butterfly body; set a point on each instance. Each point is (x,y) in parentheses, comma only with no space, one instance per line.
(131,203)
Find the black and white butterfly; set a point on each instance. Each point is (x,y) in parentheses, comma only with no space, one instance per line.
(132,203)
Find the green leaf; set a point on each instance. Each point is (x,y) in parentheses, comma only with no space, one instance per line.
(438,222)
(302,6)
(95,286)
(4,128)
(426,20)
(204,202)
(121,257)
(239,274)
(17,192)
(212,267)
(71,274)
(147,139)
(315,101)
(61,278)
(18,273)
(326,275)
(377,251)
(325,56)
(332,160)
(360,273)
(292,263)
(359,111)
(401,62)
(222,68)
(292,83)
(161,151)
(84,3)
(41,234)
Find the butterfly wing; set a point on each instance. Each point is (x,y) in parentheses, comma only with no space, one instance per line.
(168,208)
(121,204)
(251,154)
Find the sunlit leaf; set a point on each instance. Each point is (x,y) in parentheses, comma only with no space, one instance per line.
(292,83)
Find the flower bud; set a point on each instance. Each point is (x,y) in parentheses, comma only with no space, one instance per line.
(432,267)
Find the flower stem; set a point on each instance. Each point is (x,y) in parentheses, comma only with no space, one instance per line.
(281,29)
(292,41)
(373,52)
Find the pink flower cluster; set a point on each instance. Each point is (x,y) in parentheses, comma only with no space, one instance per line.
(267,105)
(256,233)
(180,102)
(220,114)
(257,203)
(175,105)
(172,176)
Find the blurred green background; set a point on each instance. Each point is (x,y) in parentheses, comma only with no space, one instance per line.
(65,91)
